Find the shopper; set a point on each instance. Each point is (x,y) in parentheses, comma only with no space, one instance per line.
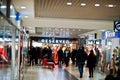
(67,56)
(73,55)
(91,62)
(31,54)
(81,56)
(60,56)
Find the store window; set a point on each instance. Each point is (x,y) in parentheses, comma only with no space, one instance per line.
(3,6)
(13,14)
(5,48)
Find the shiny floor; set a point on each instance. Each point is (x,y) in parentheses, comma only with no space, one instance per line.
(59,73)
(4,72)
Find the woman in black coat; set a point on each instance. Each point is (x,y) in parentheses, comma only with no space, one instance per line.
(91,62)
(67,56)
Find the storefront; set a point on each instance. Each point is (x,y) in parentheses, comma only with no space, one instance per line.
(54,43)
(10,33)
(110,40)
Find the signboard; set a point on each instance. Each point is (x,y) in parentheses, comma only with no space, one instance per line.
(52,40)
(56,41)
(110,34)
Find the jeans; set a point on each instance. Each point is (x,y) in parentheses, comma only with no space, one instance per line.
(80,68)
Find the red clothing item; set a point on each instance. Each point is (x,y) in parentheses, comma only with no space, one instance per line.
(3,54)
(56,55)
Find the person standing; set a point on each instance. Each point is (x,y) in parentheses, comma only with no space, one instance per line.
(91,62)
(81,56)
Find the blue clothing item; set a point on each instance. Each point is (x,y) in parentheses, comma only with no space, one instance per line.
(80,68)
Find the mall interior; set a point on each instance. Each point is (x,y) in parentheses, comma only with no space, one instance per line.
(59,39)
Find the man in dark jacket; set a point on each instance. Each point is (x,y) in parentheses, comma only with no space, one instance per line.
(60,55)
(67,56)
(80,58)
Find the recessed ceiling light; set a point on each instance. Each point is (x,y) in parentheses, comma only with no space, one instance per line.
(26,16)
(110,5)
(97,5)
(23,7)
(69,3)
(83,4)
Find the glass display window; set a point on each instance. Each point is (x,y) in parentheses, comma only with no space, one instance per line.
(5,48)
(3,6)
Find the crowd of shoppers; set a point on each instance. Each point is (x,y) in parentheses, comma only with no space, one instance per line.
(78,57)
(36,54)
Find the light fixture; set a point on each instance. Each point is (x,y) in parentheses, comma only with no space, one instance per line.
(97,5)
(69,3)
(23,7)
(3,7)
(83,4)
(12,16)
(25,16)
(111,5)
(11,6)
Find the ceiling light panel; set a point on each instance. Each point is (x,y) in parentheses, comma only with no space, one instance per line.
(97,5)
(69,3)
(111,5)
(26,16)
(23,7)
(83,4)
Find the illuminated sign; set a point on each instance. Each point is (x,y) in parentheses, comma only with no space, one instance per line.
(57,41)
(110,34)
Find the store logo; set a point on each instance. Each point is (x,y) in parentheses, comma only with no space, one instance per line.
(54,41)
(118,26)
(110,34)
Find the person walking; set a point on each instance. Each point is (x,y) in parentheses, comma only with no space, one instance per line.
(91,62)
(60,56)
(73,56)
(67,56)
(81,56)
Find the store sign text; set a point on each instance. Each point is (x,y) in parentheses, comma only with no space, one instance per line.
(54,41)
(109,34)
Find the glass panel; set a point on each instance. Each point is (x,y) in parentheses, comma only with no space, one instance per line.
(13,14)
(3,7)
(5,49)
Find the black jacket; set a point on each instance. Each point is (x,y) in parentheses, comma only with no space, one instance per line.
(81,55)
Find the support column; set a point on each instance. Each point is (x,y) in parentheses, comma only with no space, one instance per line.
(13,55)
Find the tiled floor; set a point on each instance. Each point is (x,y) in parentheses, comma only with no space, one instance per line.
(58,73)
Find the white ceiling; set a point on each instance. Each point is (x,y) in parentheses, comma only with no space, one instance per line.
(56,14)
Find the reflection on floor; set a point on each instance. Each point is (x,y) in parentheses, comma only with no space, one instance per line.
(58,73)
(74,71)
(4,72)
